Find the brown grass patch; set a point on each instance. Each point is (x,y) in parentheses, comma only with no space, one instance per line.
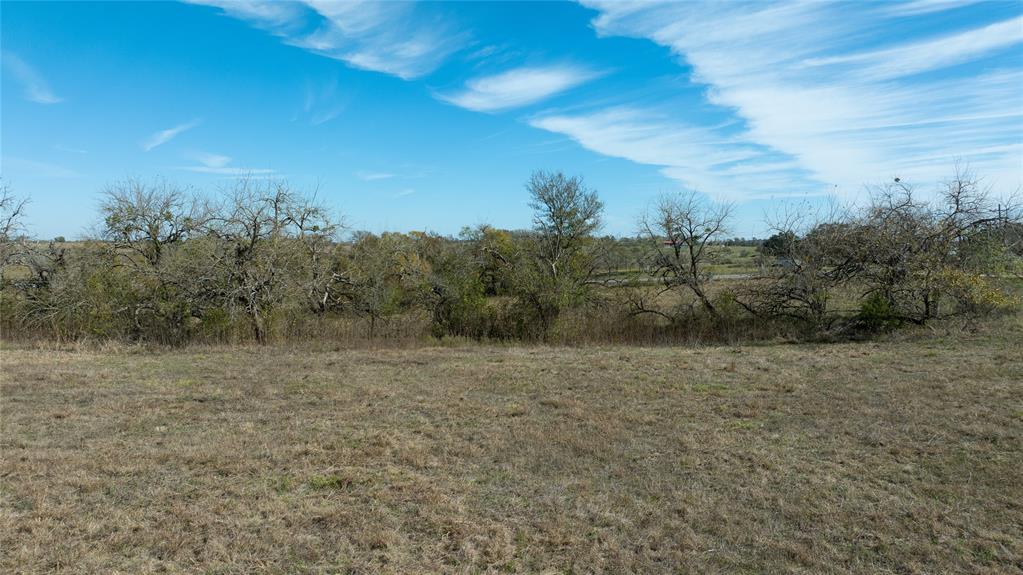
(854,458)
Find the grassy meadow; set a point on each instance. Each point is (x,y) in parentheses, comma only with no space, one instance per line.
(896,456)
(339,299)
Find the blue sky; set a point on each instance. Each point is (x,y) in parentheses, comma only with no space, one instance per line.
(432,115)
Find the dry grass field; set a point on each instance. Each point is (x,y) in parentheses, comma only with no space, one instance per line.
(903,456)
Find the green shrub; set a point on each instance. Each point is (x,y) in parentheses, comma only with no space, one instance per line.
(215,325)
(877,315)
(727,307)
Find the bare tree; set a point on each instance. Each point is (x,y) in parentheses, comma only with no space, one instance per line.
(815,254)
(13,246)
(681,230)
(918,253)
(145,226)
(316,231)
(12,212)
(267,241)
(906,259)
(143,219)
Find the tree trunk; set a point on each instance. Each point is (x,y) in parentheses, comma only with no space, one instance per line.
(258,327)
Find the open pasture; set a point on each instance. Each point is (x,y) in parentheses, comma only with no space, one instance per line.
(894,457)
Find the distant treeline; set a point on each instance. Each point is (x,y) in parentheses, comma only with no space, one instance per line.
(264,262)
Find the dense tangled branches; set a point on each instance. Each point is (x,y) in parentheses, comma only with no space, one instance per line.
(901,259)
(261,261)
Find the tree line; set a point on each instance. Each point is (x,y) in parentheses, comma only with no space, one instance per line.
(261,261)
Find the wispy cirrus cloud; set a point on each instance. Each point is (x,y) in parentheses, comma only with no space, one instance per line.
(35,87)
(917,7)
(163,136)
(374,176)
(701,158)
(274,15)
(518,87)
(403,39)
(68,149)
(213,160)
(839,91)
(322,102)
(922,56)
(398,170)
(230,171)
(219,164)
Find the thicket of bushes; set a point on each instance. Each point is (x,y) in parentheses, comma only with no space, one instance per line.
(263,262)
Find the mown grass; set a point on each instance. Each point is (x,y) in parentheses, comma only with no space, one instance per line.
(901,456)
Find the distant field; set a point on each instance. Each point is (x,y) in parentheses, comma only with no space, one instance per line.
(729,260)
(894,457)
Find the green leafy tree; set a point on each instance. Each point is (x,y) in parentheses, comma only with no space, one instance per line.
(558,261)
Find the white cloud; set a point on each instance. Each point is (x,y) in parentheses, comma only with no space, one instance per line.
(405,192)
(638,136)
(163,136)
(916,57)
(322,102)
(35,86)
(273,14)
(68,149)
(219,164)
(404,171)
(228,171)
(518,87)
(373,176)
(213,160)
(917,7)
(397,38)
(699,158)
(799,77)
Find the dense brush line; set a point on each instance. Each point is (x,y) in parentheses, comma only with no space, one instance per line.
(263,262)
